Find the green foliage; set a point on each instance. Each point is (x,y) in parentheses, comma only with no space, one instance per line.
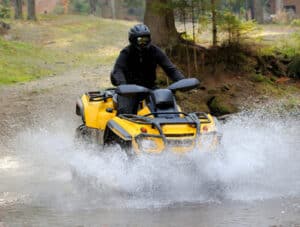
(5,3)
(4,11)
(203,22)
(257,78)
(187,37)
(235,6)
(294,68)
(289,47)
(229,21)
(235,57)
(134,3)
(295,22)
(235,28)
(59,9)
(80,6)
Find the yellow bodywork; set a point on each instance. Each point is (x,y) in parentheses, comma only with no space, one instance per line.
(144,137)
(95,112)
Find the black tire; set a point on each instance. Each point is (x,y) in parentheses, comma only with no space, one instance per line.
(111,139)
(83,133)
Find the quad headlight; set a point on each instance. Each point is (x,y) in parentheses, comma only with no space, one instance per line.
(147,144)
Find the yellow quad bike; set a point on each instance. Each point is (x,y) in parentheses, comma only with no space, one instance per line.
(159,125)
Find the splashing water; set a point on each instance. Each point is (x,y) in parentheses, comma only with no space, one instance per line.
(259,160)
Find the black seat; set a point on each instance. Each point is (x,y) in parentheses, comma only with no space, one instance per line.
(162,100)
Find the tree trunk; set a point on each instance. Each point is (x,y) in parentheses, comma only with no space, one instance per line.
(258,11)
(31,10)
(93,6)
(159,17)
(18,9)
(251,8)
(113,9)
(214,22)
(66,6)
(279,6)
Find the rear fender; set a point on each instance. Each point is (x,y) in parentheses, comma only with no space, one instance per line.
(80,109)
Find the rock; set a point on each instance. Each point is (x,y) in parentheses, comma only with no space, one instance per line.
(221,106)
(212,91)
(225,88)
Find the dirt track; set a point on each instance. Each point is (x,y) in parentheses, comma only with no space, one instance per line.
(42,101)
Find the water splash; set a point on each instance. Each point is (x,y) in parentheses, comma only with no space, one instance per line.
(260,160)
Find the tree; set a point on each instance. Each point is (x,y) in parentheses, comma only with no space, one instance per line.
(159,17)
(279,6)
(18,9)
(93,6)
(66,6)
(258,11)
(5,2)
(214,22)
(31,10)
(113,9)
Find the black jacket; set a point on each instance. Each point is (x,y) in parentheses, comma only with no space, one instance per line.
(135,67)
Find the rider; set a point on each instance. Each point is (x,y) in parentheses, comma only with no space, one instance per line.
(137,64)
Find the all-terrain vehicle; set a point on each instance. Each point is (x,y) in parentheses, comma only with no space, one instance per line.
(159,125)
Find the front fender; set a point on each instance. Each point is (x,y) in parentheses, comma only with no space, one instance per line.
(118,130)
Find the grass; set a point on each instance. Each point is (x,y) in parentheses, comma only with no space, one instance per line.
(279,39)
(20,62)
(55,44)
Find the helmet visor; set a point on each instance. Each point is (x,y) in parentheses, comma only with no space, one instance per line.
(143,41)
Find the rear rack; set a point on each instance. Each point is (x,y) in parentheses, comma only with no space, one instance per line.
(97,96)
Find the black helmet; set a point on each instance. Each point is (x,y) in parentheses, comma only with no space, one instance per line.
(139,36)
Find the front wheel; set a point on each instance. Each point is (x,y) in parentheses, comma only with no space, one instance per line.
(111,139)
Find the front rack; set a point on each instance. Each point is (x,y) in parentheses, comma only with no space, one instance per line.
(203,116)
(158,122)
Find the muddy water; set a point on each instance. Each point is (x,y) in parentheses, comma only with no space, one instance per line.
(47,179)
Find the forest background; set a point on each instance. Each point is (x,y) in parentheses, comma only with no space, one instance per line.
(240,50)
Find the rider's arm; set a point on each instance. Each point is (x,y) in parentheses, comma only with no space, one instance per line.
(169,68)
(117,76)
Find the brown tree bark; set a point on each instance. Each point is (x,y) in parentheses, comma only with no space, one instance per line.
(159,17)
(93,6)
(113,9)
(31,10)
(18,9)
(65,5)
(279,6)
(258,11)
(214,22)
